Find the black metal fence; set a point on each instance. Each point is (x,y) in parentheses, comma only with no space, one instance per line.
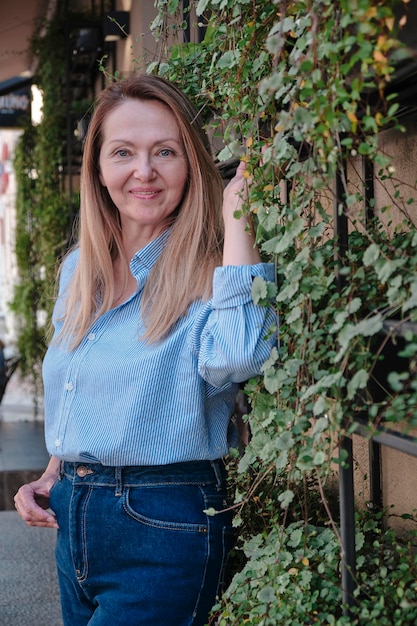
(377,436)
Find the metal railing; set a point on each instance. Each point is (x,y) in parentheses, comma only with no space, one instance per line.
(377,436)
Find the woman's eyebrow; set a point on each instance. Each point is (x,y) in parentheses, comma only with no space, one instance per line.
(156,142)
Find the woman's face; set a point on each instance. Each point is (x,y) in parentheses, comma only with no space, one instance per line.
(143,165)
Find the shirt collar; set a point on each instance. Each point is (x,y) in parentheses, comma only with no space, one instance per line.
(150,253)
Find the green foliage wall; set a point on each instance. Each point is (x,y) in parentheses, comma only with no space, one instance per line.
(41,207)
(300,90)
(44,210)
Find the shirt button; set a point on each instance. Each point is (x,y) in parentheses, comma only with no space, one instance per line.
(69,386)
(91,337)
(57,443)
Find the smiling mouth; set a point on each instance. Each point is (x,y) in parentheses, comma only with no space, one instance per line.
(145,192)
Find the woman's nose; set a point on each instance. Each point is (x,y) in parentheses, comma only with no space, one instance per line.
(144,168)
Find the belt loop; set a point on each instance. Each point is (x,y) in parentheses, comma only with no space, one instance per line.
(118,478)
(61,470)
(217,472)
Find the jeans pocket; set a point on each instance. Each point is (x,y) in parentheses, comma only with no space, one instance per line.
(173,507)
(52,494)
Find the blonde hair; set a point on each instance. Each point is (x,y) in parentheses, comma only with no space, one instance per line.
(184,270)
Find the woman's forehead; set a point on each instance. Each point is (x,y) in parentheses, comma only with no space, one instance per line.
(144,115)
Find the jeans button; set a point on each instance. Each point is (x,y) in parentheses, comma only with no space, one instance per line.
(82,471)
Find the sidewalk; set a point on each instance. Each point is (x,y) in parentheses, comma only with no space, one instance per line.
(28,582)
(23,454)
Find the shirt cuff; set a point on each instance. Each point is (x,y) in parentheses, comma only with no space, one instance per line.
(232,284)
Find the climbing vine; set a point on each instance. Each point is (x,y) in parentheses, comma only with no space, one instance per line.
(301,91)
(44,208)
(41,212)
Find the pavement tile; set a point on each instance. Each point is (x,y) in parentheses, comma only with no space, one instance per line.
(28,582)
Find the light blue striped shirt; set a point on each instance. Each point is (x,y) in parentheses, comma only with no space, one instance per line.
(118,400)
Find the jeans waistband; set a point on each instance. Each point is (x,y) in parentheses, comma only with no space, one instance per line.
(193,472)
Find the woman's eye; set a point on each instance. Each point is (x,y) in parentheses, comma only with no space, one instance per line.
(166,152)
(121,152)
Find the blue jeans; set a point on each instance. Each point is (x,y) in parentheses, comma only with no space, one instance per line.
(134,545)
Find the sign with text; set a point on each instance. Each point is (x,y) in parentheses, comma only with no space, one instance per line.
(15,107)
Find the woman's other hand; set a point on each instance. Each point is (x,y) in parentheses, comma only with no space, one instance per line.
(32,499)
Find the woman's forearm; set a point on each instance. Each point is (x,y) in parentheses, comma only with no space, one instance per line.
(239,237)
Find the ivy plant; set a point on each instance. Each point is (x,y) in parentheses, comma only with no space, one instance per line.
(301,91)
(44,208)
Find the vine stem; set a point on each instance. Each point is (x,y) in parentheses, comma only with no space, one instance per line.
(254,486)
(326,506)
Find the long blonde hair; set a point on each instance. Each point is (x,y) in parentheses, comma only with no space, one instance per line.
(184,270)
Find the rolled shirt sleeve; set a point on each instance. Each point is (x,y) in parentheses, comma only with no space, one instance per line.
(233,336)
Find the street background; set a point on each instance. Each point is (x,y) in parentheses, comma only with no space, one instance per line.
(28,582)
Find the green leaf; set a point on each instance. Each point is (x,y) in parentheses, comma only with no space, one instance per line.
(358,381)
(354,305)
(267,595)
(259,289)
(294,314)
(396,379)
(325,382)
(319,458)
(317,230)
(229,59)
(284,442)
(286,498)
(302,116)
(268,216)
(201,7)
(295,537)
(211,512)
(233,149)
(367,327)
(281,243)
(411,301)
(287,292)
(263,291)
(386,268)
(274,379)
(172,6)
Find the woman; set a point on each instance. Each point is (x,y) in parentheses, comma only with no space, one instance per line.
(154,327)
